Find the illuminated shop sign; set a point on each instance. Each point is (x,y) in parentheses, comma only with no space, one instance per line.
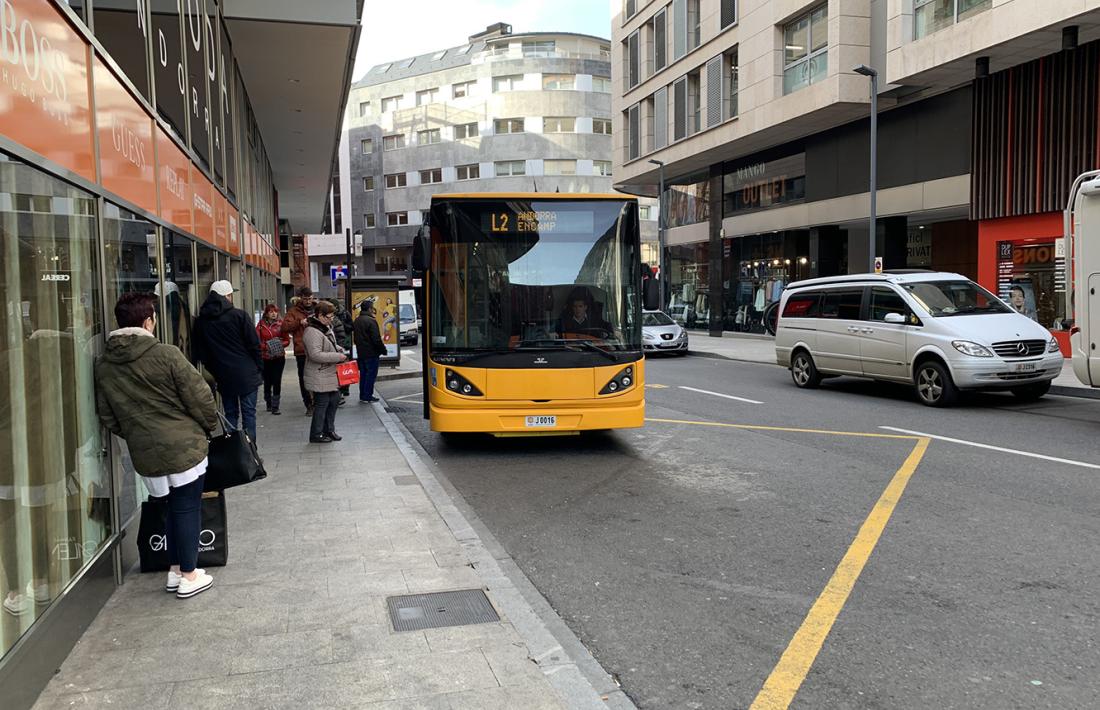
(760,185)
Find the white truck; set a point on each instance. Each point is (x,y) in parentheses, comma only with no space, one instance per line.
(1082,228)
(408,318)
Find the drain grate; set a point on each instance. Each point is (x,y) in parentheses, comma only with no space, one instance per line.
(432,611)
(405,481)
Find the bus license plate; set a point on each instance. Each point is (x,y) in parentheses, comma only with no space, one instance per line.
(1025,367)
(542,421)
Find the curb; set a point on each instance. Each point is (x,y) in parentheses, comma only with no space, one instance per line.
(391,376)
(1057,390)
(574,674)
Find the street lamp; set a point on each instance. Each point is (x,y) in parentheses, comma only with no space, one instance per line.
(660,233)
(873,76)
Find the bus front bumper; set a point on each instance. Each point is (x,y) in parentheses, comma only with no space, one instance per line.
(531,421)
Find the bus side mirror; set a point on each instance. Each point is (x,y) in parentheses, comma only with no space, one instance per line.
(422,253)
(651,295)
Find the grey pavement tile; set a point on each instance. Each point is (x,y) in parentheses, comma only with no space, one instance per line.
(291,650)
(359,546)
(437,579)
(211,624)
(322,612)
(402,510)
(450,557)
(190,657)
(415,542)
(534,697)
(93,669)
(146,697)
(256,571)
(343,531)
(386,583)
(371,641)
(388,559)
(309,568)
(349,685)
(440,673)
(511,664)
(405,525)
(472,637)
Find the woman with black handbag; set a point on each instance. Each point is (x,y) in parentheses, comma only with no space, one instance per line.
(323,354)
(273,345)
(150,395)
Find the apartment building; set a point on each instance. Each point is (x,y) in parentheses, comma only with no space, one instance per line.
(987,108)
(502,112)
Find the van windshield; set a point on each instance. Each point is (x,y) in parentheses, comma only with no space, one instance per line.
(955,298)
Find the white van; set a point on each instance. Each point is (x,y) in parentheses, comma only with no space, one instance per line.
(939,332)
(408,318)
(1082,223)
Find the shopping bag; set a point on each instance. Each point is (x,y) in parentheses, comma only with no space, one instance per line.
(213,533)
(232,460)
(347,373)
(275,348)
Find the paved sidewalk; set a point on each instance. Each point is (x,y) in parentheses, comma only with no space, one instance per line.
(298,618)
(761,348)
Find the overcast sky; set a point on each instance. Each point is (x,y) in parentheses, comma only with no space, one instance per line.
(406,28)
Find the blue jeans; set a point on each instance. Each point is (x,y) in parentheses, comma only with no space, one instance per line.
(368,373)
(242,408)
(184,524)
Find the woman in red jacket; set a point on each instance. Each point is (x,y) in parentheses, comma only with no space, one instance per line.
(273,346)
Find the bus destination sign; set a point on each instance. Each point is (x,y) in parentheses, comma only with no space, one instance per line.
(537,221)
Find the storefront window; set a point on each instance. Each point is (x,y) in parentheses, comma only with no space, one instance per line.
(180,298)
(756,269)
(689,268)
(54,488)
(168,64)
(206,272)
(198,114)
(1031,279)
(121,27)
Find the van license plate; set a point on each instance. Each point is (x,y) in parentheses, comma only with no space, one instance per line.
(542,421)
(1025,367)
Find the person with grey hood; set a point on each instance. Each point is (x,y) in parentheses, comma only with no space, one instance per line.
(225,342)
(148,394)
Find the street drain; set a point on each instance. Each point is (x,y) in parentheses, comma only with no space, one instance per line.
(405,481)
(432,611)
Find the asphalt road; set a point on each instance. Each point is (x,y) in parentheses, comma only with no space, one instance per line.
(686,557)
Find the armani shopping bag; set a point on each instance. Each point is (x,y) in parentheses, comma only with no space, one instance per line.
(213,534)
(347,373)
(232,460)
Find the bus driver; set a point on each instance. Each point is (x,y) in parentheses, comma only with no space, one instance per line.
(580,318)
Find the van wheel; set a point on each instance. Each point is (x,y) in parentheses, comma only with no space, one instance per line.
(804,372)
(1030,393)
(935,386)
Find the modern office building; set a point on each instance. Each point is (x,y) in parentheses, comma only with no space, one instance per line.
(987,111)
(145,145)
(501,113)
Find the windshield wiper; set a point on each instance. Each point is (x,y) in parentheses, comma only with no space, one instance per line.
(564,344)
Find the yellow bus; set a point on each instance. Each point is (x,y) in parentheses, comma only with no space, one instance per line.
(532,313)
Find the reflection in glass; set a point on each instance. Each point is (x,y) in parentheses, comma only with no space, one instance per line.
(54,491)
(168,64)
(121,25)
(205,271)
(194,41)
(179,290)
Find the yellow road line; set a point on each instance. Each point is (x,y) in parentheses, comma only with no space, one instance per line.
(794,430)
(787,676)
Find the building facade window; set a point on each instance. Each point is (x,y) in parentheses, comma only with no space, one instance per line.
(431,176)
(120,29)
(633,59)
(540,48)
(463,90)
(602,126)
(428,96)
(396,219)
(729,98)
(508,125)
(933,15)
(430,136)
(466,130)
(806,49)
(396,180)
(559,167)
(559,124)
(601,84)
(559,82)
(630,8)
(393,142)
(391,103)
(660,118)
(364,108)
(660,40)
(366,146)
(507,83)
(469,172)
(368,183)
(601,167)
(368,220)
(728,13)
(633,132)
(645,212)
(510,168)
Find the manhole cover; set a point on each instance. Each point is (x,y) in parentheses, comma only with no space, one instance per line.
(405,481)
(432,611)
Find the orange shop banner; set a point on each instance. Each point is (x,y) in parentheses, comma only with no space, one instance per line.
(174,182)
(44,102)
(126,158)
(221,222)
(202,205)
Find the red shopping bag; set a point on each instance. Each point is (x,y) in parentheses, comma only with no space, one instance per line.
(347,373)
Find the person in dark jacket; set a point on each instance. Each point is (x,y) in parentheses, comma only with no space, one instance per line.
(149,394)
(294,324)
(342,329)
(226,344)
(368,349)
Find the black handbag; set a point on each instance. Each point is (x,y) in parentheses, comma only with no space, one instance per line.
(213,535)
(232,460)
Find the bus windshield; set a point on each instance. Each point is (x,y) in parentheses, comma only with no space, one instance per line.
(535,274)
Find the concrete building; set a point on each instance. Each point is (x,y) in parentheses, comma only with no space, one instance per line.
(987,110)
(145,145)
(501,113)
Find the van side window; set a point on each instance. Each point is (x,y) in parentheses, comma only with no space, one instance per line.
(883,301)
(842,304)
(803,305)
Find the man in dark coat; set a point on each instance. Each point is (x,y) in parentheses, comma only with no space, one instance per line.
(368,348)
(225,342)
(294,324)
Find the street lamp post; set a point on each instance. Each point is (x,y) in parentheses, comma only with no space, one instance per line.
(873,76)
(660,233)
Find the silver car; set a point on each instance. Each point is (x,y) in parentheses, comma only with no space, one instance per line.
(661,334)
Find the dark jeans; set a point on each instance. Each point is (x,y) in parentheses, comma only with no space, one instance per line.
(181,534)
(273,381)
(368,373)
(307,396)
(324,413)
(241,408)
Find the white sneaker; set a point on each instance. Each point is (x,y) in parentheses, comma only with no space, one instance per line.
(173,582)
(189,588)
(40,593)
(18,605)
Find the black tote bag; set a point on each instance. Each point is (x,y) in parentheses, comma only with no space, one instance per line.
(213,535)
(232,460)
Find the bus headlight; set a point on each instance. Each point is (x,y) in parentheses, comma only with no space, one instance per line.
(621,381)
(460,385)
